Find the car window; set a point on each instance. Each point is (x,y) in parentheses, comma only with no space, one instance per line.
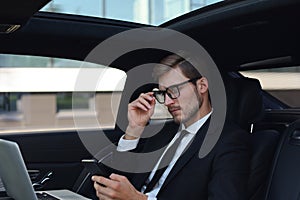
(38,93)
(152,12)
(282,83)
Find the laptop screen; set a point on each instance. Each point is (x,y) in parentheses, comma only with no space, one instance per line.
(13,172)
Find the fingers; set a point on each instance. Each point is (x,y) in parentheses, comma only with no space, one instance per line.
(107,188)
(101,196)
(119,178)
(116,187)
(100,180)
(102,192)
(148,95)
(144,102)
(140,111)
(114,181)
(102,187)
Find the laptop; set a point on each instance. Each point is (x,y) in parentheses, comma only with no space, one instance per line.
(16,181)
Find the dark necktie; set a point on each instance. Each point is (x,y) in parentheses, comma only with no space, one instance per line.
(165,161)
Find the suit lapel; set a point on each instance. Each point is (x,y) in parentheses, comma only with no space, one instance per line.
(188,154)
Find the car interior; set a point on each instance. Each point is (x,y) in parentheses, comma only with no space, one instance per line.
(240,36)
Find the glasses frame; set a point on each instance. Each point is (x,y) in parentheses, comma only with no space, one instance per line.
(164,92)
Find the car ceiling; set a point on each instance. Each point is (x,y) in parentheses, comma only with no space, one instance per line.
(234,33)
(246,31)
(19,11)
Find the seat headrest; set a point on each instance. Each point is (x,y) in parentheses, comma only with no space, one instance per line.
(244,101)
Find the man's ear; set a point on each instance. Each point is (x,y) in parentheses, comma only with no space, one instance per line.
(202,85)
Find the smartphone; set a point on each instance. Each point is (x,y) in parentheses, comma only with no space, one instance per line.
(95,168)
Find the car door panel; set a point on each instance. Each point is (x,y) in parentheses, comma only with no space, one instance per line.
(56,153)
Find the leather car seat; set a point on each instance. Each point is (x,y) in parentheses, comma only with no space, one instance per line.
(245,108)
(284,181)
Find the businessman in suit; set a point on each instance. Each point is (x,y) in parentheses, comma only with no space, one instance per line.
(222,174)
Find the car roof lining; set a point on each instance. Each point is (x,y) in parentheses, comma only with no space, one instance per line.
(254,30)
(19,11)
(250,35)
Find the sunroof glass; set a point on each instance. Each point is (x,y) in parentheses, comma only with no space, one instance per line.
(152,12)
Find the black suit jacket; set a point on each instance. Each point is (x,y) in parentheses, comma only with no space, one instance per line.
(222,174)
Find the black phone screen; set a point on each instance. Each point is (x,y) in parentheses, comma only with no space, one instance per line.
(94,167)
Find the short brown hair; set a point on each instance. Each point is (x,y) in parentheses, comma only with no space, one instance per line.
(173,61)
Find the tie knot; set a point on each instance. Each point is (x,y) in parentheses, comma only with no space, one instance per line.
(183,133)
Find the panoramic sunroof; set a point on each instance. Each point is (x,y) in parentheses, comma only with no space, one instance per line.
(153,12)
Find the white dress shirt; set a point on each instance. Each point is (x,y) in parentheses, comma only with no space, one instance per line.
(126,145)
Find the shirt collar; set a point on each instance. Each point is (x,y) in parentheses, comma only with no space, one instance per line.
(194,128)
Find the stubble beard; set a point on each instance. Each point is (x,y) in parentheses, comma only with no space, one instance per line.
(191,113)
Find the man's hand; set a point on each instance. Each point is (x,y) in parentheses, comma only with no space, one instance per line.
(117,187)
(139,113)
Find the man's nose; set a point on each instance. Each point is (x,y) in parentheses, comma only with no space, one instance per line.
(168,100)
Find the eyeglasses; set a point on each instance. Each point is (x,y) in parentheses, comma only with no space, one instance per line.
(173,91)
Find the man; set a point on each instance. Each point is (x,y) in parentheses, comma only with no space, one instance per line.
(222,174)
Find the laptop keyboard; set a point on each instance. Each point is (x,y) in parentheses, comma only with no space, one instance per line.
(45,196)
